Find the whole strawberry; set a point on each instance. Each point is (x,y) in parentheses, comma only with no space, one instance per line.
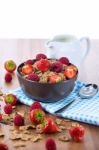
(43,65)
(77,133)
(50,144)
(8,77)
(10,99)
(37,116)
(36,105)
(10,66)
(18,120)
(8,109)
(3,146)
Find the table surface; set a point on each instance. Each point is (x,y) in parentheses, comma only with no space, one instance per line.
(19,51)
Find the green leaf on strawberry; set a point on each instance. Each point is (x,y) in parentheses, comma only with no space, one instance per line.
(37,116)
(10,99)
(10,66)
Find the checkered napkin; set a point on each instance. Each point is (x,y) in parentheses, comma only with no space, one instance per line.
(84,110)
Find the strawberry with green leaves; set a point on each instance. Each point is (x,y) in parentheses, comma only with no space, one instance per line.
(37,116)
(10,99)
(77,133)
(10,66)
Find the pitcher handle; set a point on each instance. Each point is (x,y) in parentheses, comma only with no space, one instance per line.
(87,40)
(49,44)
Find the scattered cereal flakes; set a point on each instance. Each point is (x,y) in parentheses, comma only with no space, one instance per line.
(19,144)
(36,138)
(27,127)
(13,107)
(21,113)
(1,93)
(75,124)
(26,132)
(12,128)
(14,136)
(25,137)
(1,99)
(1,133)
(62,127)
(58,121)
(22,128)
(64,138)
(39,128)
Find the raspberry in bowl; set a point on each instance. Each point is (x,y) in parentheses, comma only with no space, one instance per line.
(47,80)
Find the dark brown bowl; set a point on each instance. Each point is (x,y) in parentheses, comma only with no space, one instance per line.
(46,92)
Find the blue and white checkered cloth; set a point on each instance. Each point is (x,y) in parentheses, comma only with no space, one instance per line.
(84,110)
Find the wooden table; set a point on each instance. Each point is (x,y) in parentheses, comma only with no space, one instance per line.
(20,50)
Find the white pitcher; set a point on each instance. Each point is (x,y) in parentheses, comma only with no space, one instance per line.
(68,46)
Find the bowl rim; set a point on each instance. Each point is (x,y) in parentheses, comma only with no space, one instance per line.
(18,73)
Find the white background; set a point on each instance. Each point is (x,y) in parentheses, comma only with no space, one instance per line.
(45,18)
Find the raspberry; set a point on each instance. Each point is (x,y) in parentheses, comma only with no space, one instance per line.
(41,56)
(33,77)
(18,120)
(30,62)
(0,117)
(3,146)
(43,65)
(8,77)
(56,67)
(8,108)
(64,60)
(36,105)
(50,144)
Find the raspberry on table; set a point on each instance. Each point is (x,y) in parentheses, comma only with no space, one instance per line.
(50,144)
(8,77)
(36,105)
(8,109)
(18,120)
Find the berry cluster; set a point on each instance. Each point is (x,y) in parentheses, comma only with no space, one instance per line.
(46,70)
(10,67)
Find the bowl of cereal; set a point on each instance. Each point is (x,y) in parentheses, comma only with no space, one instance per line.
(47,80)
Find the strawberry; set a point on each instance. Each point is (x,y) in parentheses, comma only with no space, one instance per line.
(43,65)
(10,99)
(54,78)
(27,69)
(70,71)
(77,133)
(50,126)
(10,66)
(3,146)
(37,116)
